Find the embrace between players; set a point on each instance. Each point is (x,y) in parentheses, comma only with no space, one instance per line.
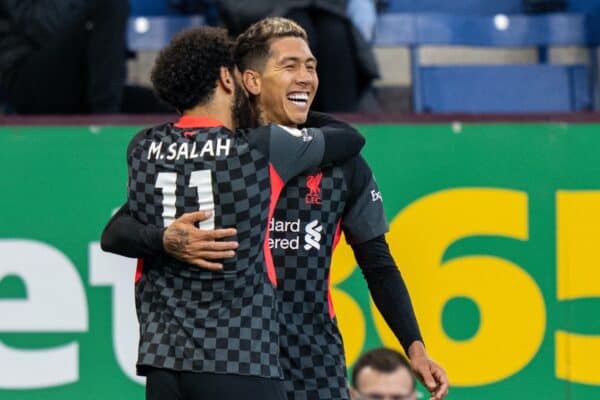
(237,312)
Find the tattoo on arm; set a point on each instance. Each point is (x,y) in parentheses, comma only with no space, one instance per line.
(176,240)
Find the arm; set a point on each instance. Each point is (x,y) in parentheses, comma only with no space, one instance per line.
(330,127)
(341,143)
(393,301)
(126,236)
(318,120)
(291,151)
(364,225)
(388,289)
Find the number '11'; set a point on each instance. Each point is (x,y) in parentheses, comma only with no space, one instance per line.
(201,180)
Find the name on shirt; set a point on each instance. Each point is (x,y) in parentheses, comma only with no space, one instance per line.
(175,151)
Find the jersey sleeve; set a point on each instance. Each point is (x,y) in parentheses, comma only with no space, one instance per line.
(364,216)
(126,236)
(388,289)
(292,151)
(317,119)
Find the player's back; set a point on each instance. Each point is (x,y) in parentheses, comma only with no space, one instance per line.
(218,321)
(175,170)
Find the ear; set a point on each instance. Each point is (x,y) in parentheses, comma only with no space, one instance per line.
(252,82)
(226,80)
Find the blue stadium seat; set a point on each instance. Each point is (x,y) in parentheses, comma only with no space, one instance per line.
(584,5)
(488,31)
(491,88)
(481,7)
(505,89)
(154,33)
(149,7)
(591,8)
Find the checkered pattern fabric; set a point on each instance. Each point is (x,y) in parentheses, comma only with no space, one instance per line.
(312,354)
(193,319)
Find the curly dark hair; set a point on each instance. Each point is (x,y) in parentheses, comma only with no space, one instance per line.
(252,47)
(185,73)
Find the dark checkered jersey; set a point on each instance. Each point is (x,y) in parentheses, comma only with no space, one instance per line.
(312,211)
(192,319)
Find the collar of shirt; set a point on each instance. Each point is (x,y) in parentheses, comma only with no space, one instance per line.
(195,121)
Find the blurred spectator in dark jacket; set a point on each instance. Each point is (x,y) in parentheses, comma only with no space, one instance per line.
(346,64)
(542,6)
(66,57)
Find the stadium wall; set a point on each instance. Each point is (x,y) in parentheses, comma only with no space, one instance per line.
(494,225)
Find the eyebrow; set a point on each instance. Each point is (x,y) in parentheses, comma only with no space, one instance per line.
(297,60)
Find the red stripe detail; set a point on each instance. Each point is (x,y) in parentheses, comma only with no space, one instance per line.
(195,121)
(139,269)
(336,240)
(276,188)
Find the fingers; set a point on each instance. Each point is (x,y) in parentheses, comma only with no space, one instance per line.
(442,380)
(214,255)
(195,216)
(206,264)
(198,243)
(199,247)
(426,377)
(219,233)
(219,246)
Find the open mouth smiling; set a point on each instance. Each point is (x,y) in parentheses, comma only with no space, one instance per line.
(298,98)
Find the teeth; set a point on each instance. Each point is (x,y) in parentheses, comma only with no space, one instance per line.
(301,97)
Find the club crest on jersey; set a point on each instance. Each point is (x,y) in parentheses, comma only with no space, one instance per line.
(313,182)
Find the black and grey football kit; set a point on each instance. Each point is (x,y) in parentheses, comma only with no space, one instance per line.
(316,206)
(346,199)
(197,320)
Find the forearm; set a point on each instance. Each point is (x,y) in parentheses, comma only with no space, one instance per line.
(126,236)
(341,144)
(388,290)
(342,140)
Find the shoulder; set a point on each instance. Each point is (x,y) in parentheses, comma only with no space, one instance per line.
(146,133)
(356,165)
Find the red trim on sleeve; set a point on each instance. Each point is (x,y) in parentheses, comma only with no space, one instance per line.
(336,240)
(139,269)
(195,121)
(276,188)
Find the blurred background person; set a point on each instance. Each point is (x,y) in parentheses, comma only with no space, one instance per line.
(383,374)
(346,64)
(67,57)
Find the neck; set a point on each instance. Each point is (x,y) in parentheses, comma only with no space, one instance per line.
(215,111)
(265,119)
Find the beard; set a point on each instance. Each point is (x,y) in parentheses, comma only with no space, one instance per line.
(244,115)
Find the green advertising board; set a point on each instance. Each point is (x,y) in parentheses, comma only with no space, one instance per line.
(494,227)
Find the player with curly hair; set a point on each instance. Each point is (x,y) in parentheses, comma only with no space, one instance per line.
(207,334)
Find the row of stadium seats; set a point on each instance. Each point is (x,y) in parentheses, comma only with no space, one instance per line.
(476,7)
(539,87)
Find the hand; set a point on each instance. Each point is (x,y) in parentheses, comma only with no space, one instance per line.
(187,243)
(428,371)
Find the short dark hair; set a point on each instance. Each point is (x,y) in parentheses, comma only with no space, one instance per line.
(252,47)
(185,73)
(381,360)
